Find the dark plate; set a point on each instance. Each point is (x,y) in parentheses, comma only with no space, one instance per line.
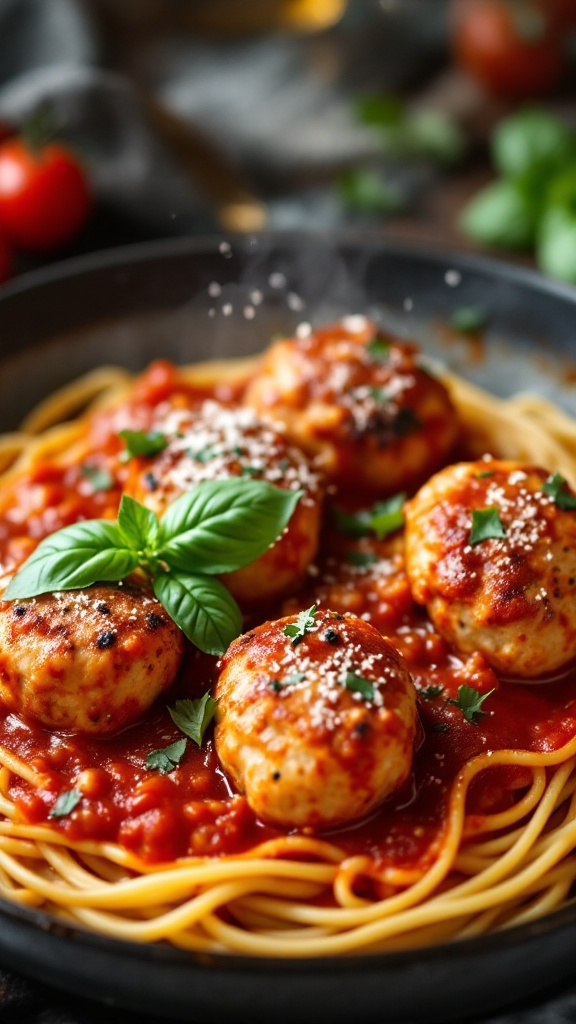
(189,300)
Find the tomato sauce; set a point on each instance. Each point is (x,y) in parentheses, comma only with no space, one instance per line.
(192,810)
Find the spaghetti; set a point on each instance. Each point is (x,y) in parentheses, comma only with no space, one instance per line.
(482,837)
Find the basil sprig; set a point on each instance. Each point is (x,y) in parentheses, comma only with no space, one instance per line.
(217,527)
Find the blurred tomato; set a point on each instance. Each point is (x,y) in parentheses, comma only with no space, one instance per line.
(5,260)
(513,47)
(44,194)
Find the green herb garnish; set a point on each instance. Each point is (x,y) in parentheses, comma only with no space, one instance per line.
(98,478)
(358,684)
(378,349)
(556,487)
(291,680)
(203,455)
(383,518)
(66,803)
(304,623)
(432,691)
(485,525)
(140,442)
(166,759)
(217,527)
(470,702)
(194,716)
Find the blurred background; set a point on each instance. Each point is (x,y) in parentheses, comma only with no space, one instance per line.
(448,122)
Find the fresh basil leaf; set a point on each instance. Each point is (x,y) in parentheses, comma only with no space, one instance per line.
(531,142)
(503,215)
(76,556)
(98,478)
(358,684)
(138,525)
(222,525)
(383,518)
(556,487)
(166,759)
(486,525)
(304,623)
(140,442)
(202,607)
(66,803)
(193,716)
(470,702)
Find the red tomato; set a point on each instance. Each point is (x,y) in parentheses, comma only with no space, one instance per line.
(5,260)
(44,195)
(513,47)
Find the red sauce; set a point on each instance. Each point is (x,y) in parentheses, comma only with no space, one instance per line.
(192,810)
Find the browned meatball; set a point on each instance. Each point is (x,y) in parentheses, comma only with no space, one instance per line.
(317,731)
(91,660)
(360,402)
(511,595)
(215,442)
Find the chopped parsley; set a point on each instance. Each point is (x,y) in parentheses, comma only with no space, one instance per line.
(166,759)
(556,487)
(470,702)
(98,478)
(251,471)
(485,474)
(379,395)
(203,455)
(304,623)
(383,518)
(194,716)
(66,803)
(291,680)
(486,524)
(378,349)
(140,442)
(432,691)
(358,684)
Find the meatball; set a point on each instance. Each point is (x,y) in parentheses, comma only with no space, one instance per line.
(316,730)
(491,554)
(216,442)
(90,660)
(360,402)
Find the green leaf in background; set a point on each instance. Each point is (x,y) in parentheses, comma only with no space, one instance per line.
(98,477)
(368,191)
(66,803)
(193,716)
(501,215)
(380,109)
(532,142)
(202,607)
(556,246)
(556,487)
(77,556)
(468,319)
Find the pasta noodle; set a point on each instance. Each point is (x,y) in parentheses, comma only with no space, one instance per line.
(298,894)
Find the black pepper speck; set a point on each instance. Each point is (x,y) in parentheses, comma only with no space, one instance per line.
(105,640)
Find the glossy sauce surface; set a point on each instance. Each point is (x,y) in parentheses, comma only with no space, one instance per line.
(192,810)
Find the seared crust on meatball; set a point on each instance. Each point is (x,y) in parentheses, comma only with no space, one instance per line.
(316,731)
(91,660)
(360,402)
(215,442)
(511,596)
